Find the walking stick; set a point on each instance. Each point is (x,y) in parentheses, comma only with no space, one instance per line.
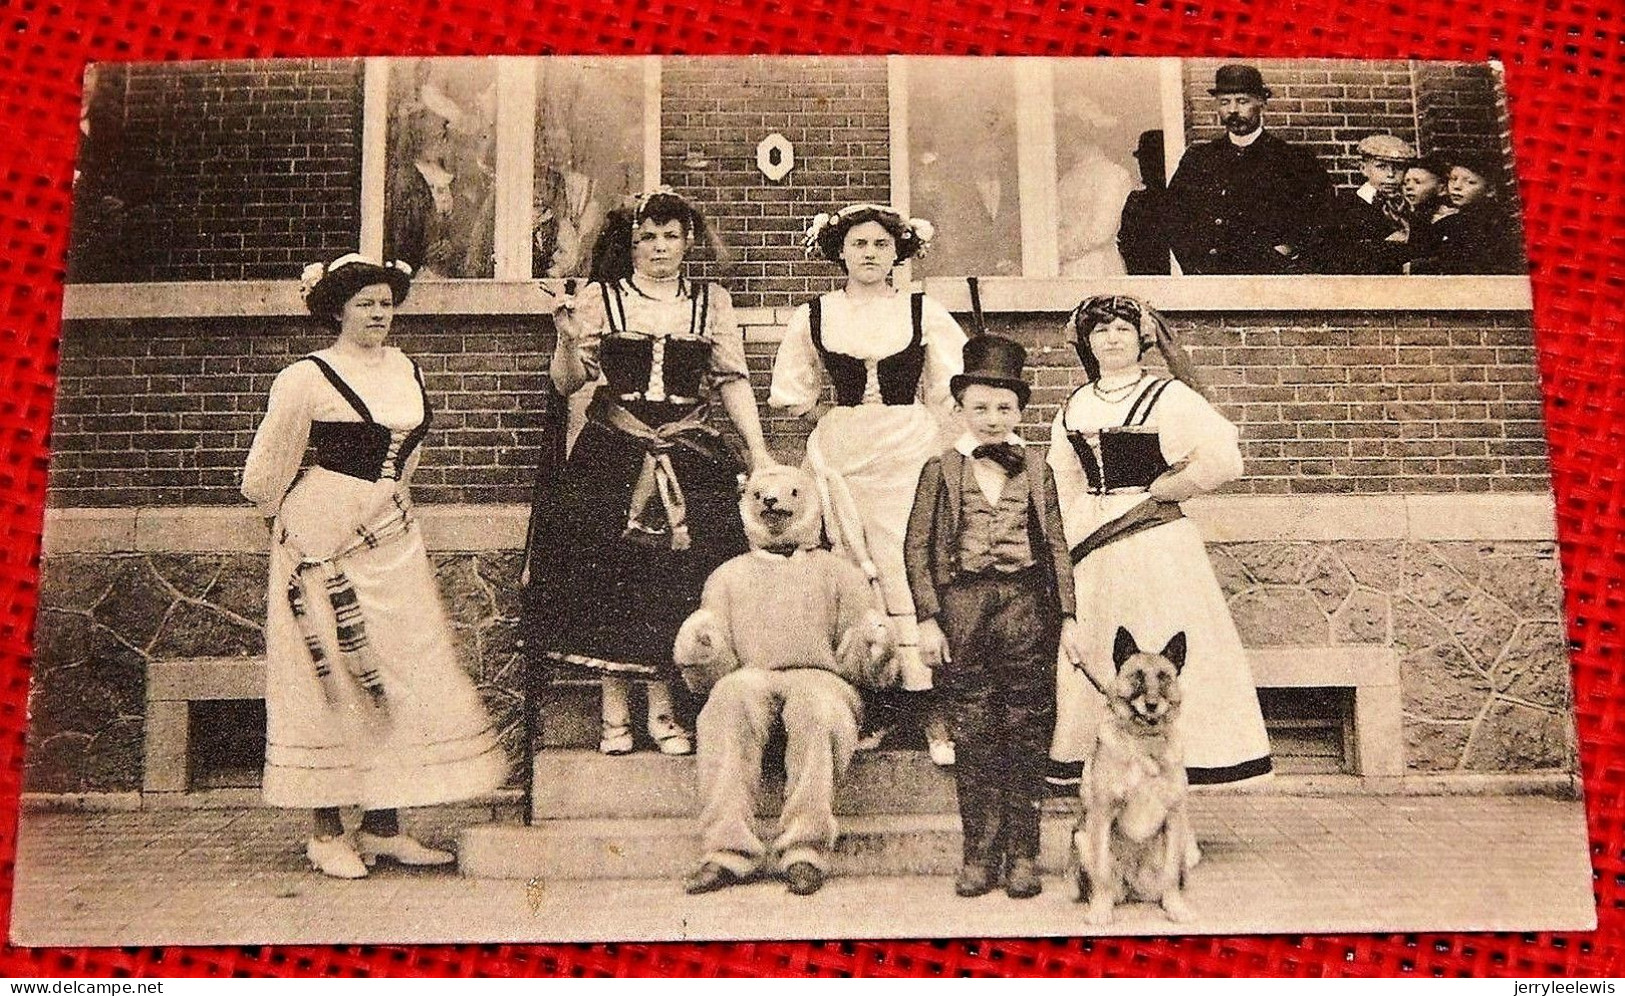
(979,323)
(549,462)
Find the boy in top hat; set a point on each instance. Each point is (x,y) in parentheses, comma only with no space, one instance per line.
(991,576)
(1247,201)
(1374,221)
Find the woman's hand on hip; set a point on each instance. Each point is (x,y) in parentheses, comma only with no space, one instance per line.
(1171,486)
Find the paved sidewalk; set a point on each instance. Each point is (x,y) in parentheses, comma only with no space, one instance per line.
(1273,864)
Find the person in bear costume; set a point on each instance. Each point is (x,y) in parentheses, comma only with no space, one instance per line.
(785,634)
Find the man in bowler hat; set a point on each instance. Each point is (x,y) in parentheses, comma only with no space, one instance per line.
(1246,201)
(991,576)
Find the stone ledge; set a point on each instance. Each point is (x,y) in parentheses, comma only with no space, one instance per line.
(224,529)
(504,802)
(1222,519)
(237,299)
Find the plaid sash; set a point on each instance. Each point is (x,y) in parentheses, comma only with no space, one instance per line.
(355,650)
(658,477)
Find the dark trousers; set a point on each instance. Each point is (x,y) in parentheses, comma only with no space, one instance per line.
(999,691)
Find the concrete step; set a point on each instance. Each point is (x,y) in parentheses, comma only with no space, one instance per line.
(916,844)
(584,784)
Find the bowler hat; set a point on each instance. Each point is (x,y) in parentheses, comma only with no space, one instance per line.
(1150,144)
(996,362)
(1487,167)
(1239,79)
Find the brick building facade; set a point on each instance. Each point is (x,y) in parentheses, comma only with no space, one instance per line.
(1372,396)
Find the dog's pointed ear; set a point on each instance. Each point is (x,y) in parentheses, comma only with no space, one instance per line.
(1175,651)
(1123,647)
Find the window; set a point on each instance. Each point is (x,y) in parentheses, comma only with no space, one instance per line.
(503,168)
(1024,165)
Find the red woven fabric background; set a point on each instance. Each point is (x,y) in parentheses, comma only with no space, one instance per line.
(1565,64)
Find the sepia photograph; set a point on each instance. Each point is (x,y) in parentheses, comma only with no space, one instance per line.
(735,498)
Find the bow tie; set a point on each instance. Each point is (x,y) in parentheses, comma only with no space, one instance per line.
(1006,455)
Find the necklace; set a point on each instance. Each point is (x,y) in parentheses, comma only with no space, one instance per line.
(1116,393)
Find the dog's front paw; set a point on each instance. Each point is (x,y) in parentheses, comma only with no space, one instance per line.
(1175,906)
(1099,912)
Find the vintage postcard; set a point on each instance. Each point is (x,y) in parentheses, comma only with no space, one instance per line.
(567,499)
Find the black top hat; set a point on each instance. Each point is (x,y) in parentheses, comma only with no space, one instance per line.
(1239,79)
(995,361)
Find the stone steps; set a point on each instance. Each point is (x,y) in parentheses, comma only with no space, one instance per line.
(584,784)
(907,844)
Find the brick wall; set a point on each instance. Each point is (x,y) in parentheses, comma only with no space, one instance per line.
(230,171)
(1461,107)
(218,171)
(162,413)
(834,111)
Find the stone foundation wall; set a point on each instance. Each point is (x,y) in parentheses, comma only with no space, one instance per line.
(1478,626)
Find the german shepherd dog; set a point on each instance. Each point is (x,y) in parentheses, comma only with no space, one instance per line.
(1131,841)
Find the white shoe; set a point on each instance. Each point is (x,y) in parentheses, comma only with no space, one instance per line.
(402,848)
(663,728)
(669,737)
(615,727)
(615,740)
(334,857)
(938,743)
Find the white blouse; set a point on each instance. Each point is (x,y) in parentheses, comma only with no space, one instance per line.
(1191,434)
(660,320)
(301,394)
(870,329)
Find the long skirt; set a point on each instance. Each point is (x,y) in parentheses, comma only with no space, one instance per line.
(876,452)
(1157,583)
(612,604)
(432,742)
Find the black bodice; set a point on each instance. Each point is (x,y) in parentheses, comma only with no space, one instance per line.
(1130,454)
(362,449)
(629,357)
(898,374)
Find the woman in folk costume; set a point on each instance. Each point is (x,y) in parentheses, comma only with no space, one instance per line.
(890,355)
(1127,447)
(366,702)
(646,504)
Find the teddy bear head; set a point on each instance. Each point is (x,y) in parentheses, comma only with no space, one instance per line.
(781,510)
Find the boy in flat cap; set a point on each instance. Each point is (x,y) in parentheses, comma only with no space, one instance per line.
(1246,201)
(991,576)
(1374,221)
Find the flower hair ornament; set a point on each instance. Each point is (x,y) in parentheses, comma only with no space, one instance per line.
(638,203)
(315,273)
(324,287)
(915,238)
